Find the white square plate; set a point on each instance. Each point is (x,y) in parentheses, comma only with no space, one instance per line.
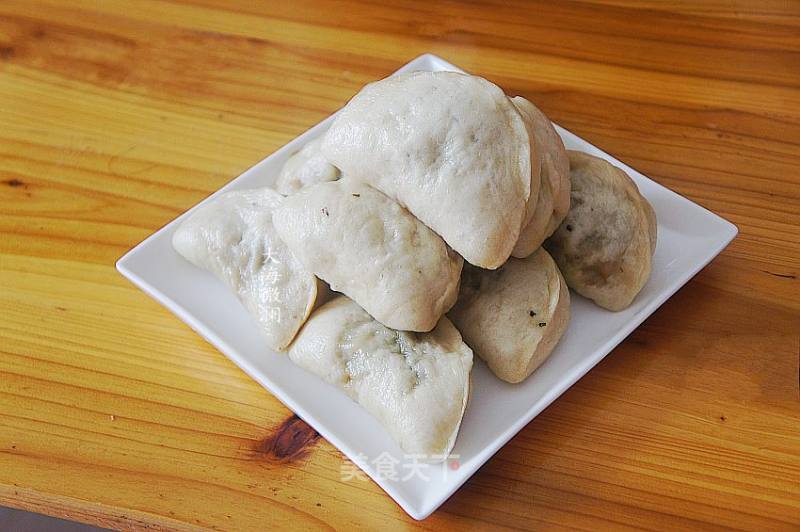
(689,236)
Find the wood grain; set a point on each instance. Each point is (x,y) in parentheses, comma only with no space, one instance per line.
(117,116)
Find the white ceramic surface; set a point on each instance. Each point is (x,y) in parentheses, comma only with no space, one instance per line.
(689,236)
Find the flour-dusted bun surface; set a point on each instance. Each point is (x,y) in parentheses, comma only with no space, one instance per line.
(606,243)
(415,384)
(553,204)
(233,237)
(305,168)
(368,247)
(514,316)
(449,147)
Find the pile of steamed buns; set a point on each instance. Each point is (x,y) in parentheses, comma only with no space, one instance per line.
(447,219)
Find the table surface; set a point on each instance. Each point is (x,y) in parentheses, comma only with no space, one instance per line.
(116,117)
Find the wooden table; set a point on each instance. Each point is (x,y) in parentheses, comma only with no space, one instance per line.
(115,117)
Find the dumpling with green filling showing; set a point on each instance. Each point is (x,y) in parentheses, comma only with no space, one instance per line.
(232,236)
(415,384)
(372,250)
(606,243)
(514,316)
